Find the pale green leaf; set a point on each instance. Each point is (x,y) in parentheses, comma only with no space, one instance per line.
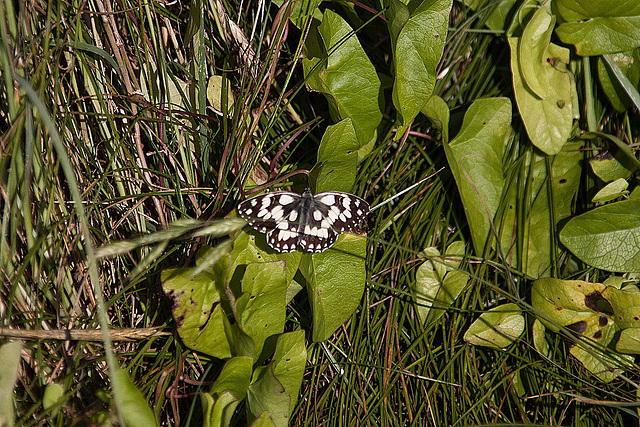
(599,27)
(475,158)
(131,404)
(437,110)
(346,77)
(606,237)
(9,366)
(417,52)
(497,328)
(532,51)
(336,279)
(548,120)
(337,158)
(276,388)
(197,307)
(261,309)
(611,191)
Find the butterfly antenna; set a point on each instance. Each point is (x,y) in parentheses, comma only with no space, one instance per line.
(379,205)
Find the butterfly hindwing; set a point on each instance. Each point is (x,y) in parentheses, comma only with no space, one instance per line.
(338,211)
(311,222)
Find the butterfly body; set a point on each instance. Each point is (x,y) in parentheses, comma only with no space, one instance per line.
(310,221)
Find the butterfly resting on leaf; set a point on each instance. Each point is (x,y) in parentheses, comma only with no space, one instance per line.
(310,221)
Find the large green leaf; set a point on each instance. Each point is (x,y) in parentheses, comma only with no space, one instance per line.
(336,279)
(276,387)
(629,64)
(439,282)
(606,237)
(475,158)
(250,247)
(532,51)
(337,158)
(529,221)
(599,27)
(346,77)
(438,112)
(549,119)
(197,307)
(497,328)
(227,392)
(590,311)
(261,309)
(611,166)
(9,366)
(417,49)
(498,12)
(132,405)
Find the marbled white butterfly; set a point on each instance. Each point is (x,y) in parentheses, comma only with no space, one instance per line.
(311,221)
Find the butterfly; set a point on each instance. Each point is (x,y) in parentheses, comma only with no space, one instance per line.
(310,221)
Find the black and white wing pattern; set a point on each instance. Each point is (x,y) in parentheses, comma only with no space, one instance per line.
(310,221)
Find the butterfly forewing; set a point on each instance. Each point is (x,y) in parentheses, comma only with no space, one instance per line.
(312,222)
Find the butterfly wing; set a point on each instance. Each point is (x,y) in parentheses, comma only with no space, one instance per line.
(330,214)
(339,211)
(275,214)
(313,222)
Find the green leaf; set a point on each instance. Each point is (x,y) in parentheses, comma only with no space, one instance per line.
(346,77)
(629,64)
(197,307)
(626,84)
(606,237)
(337,158)
(429,277)
(228,391)
(498,12)
(539,339)
(215,94)
(629,341)
(252,246)
(529,220)
(599,27)
(623,147)
(611,191)
(264,420)
(438,282)
(609,167)
(234,378)
(289,362)
(261,309)
(497,328)
(566,302)
(475,158)
(625,304)
(438,112)
(548,120)
(417,52)
(131,404)
(532,51)
(53,394)
(302,11)
(278,384)
(336,279)
(593,314)
(9,365)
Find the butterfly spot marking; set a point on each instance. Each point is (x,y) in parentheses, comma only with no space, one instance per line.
(329,199)
(286,199)
(276,213)
(264,214)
